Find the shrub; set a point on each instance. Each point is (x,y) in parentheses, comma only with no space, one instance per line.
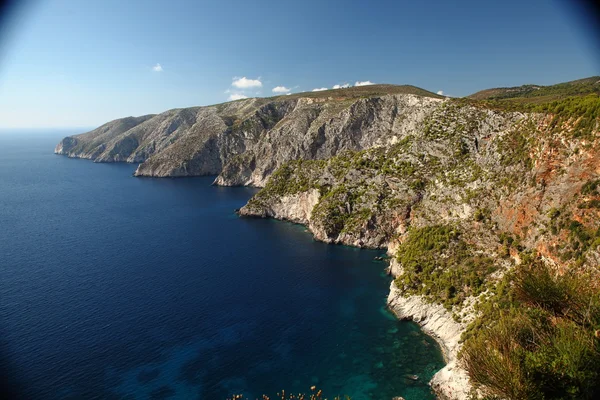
(553,213)
(335,208)
(438,264)
(590,187)
(581,238)
(493,358)
(314,394)
(481,214)
(541,341)
(583,110)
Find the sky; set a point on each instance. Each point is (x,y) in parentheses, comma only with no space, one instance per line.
(72,63)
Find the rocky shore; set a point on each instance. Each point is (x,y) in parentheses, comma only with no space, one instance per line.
(452,381)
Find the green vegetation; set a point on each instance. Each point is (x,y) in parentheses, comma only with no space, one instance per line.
(582,112)
(315,394)
(438,264)
(575,105)
(349,200)
(579,115)
(482,215)
(336,209)
(581,238)
(553,213)
(292,177)
(515,147)
(537,336)
(450,122)
(565,89)
(369,91)
(591,188)
(590,204)
(373,161)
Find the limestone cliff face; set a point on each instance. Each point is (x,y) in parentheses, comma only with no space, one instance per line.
(245,141)
(427,160)
(94,144)
(182,142)
(319,129)
(295,208)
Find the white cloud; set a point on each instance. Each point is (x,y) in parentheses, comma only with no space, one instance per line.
(281,89)
(237,96)
(440,92)
(245,83)
(363,83)
(319,89)
(287,94)
(344,86)
(157,68)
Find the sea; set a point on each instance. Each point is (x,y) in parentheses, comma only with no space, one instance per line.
(117,287)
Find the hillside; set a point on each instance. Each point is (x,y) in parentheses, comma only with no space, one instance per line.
(538,93)
(480,207)
(366,91)
(246,140)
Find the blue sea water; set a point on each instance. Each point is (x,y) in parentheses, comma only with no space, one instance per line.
(119,287)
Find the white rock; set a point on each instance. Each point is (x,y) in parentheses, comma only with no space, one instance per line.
(452,381)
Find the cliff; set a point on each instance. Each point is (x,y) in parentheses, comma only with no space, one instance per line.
(452,381)
(245,141)
(458,200)
(459,191)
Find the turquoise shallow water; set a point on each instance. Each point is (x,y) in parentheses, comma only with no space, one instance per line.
(118,287)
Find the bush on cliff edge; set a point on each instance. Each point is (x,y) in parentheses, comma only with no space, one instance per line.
(542,344)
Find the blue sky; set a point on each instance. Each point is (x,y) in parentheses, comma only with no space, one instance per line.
(70,63)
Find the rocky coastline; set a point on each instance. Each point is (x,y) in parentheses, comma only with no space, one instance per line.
(467,188)
(452,381)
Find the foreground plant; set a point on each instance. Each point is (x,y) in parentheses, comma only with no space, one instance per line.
(315,394)
(541,339)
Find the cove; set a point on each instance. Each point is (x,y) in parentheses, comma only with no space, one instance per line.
(140,288)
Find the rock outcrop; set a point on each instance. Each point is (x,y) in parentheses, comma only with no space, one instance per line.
(367,197)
